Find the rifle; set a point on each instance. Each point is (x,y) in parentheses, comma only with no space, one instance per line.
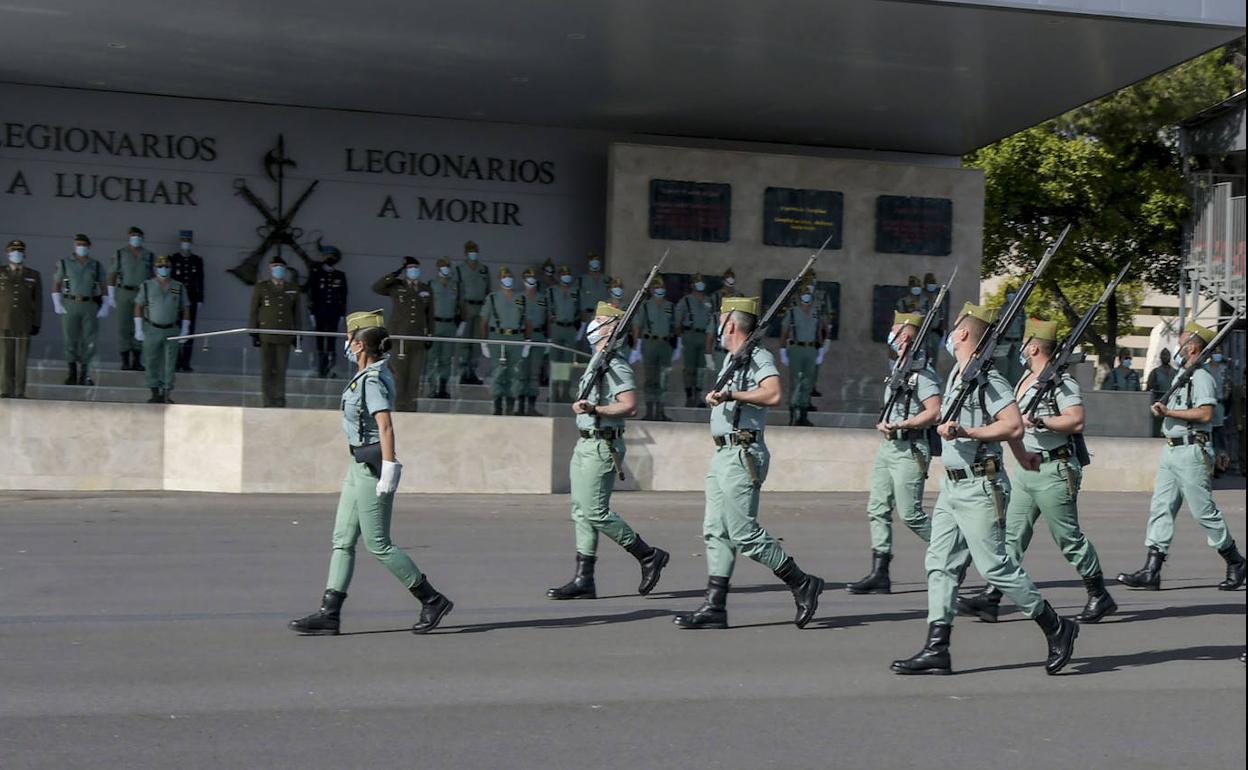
(908,362)
(620,331)
(1190,368)
(980,362)
(742,357)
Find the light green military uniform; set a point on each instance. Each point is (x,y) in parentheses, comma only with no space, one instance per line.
(592,288)
(445,312)
(654,320)
(1186,471)
(537,313)
(965,519)
(474,284)
(901,465)
(361,511)
(693,313)
(732,488)
(564,304)
(81,283)
(21,311)
(593,469)
(128,272)
(1122,379)
(505,317)
(802,322)
(1053,490)
(162,309)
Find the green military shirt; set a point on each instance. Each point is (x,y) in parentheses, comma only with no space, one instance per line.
(1118,379)
(537,312)
(502,313)
(473,284)
(1200,390)
(655,317)
(693,312)
(275,306)
(618,379)
(1159,380)
(412,312)
(912,304)
(989,398)
(162,305)
(744,416)
(565,305)
(922,384)
(445,300)
(802,326)
(21,300)
(79,278)
(1065,395)
(592,289)
(131,269)
(370,391)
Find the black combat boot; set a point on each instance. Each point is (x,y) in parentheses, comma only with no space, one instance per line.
(649,411)
(156,397)
(434,607)
(802,420)
(714,611)
(442,392)
(1149,576)
(792,415)
(470,378)
(511,406)
(933,658)
(877,580)
(1060,634)
(125,360)
(1100,603)
(83,378)
(323,622)
(689,397)
(72,378)
(498,406)
(533,407)
(137,361)
(983,605)
(1234,568)
(582,584)
(164,395)
(660,414)
(805,588)
(521,404)
(652,561)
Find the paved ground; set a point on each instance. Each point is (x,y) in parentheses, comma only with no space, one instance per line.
(143,631)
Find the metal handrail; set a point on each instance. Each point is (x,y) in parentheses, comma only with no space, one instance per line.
(402,337)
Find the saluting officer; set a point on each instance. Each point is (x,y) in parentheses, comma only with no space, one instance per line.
(446,317)
(735,479)
(504,317)
(188,269)
(592,287)
(275,304)
(327,304)
(1186,471)
(653,331)
(902,461)
(801,330)
(564,303)
(538,315)
(159,305)
(410,314)
(78,297)
(474,283)
(21,308)
(1048,479)
(132,265)
(693,313)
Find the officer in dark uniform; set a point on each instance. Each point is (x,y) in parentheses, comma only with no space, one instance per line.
(327,302)
(275,304)
(188,270)
(412,314)
(21,307)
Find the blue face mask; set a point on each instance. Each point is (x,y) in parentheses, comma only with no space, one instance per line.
(472,256)
(17,257)
(445,271)
(1217,358)
(949,346)
(279,272)
(508,282)
(1022,358)
(162,271)
(136,241)
(699,286)
(566,280)
(916,290)
(617,293)
(349,353)
(530,282)
(412,273)
(807,299)
(892,341)
(660,292)
(595,264)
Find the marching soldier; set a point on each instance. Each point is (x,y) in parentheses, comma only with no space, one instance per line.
(598,456)
(1048,479)
(728,288)
(563,302)
(188,270)
(902,461)
(447,316)
(538,316)
(735,479)
(802,330)
(969,511)
(473,279)
(592,288)
(693,313)
(132,265)
(275,304)
(653,332)
(1123,377)
(1011,344)
(504,317)
(411,314)
(159,305)
(327,303)
(1159,380)
(78,297)
(1186,472)
(21,309)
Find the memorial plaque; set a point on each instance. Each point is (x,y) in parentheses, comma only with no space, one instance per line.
(914,225)
(883,304)
(690,211)
(827,301)
(802,218)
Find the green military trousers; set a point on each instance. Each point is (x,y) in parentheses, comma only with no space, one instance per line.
(80,327)
(408,363)
(565,336)
(507,359)
(965,521)
(470,352)
(801,375)
(160,356)
(592,473)
(362,512)
(1185,473)
(531,369)
(442,354)
(693,357)
(731,520)
(656,360)
(126,343)
(897,482)
(14,351)
(1051,492)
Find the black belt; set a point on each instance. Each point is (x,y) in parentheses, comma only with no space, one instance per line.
(508,332)
(606,434)
(130,288)
(978,469)
(161,326)
(474,301)
(653,337)
(444,320)
(569,324)
(905,435)
(1191,438)
(79,298)
(1061,453)
(804,344)
(737,438)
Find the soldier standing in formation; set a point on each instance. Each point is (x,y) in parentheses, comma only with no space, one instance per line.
(447,315)
(21,308)
(531,366)
(188,269)
(735,479)
(1123,377)
(132,265)
(597,458)
(548,279)
(1186,471)
(473,279)
(694,313)
(592,287)
(275,304)
(327,304)
(78,297)
(159,305)
(504,317)
(727,289)
(913,301)
(563,303)
(615,294)
(1159,380)
(653,331)
(902,461)
(801,334)
(411,314)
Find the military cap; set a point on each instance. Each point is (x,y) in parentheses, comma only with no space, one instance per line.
(365,319)
(331,250)
(1206,335)
(914,281)
(530,272)
(929,278)
(162,259)
(907,319)
(657,283)
(591,254)
(444,262)
(134,231)
(1041,330)
(616,282)
(410,261)
(186,235)
(740,305)
(82,237)
(277,260)
(504,271)
(1124,353)
(985,314)
(729,274)
(565,270)
(607,309)
(16,244)
(470,246)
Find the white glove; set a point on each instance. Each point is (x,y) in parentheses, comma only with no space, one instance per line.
(524,352)
(57,304)
(111,301)
(103,311)
(635,356)
(823,351)
(710,361)
(580,333)
(784,356)
(138,329)
(485,350)
(463,327)
(680,344)
(390,475)
(186,327)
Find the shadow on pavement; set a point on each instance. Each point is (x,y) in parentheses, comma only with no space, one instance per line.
(1108,663)
(573,622)
(699,593)
(1192,611)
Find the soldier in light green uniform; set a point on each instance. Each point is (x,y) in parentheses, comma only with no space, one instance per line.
(411,315)
(564,304)
(446,317)
(162,310)
(597,458)
(969,513)
(132,265)
(1047,481)
(735,479)
(694,313)
(538,315)
(653,331)
(1186,471)
(1123,377)
(801,334)
(21,311)
(78,297)
(367,500)
(504,317)
(593,287)
(474,283)
(727,289)
(902,461)
(275,304)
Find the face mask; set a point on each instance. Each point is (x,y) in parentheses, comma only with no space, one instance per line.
(660,292)
(412,273)
(1217,358)
(699,286)
(949,346)
(162,271)
(472,256)
(730,282)
(82,251)
(445,271)
(349,353)
(548,270)
(1126,362)
(932,287)
(279,272)
(1177,356)
(807,299)
(597,332)
(617,292)
(566,280)
(530,282)
(327,266)
(136,241)
(1022,358)
(17,257)
(507,282)
(186,247)
(595,264)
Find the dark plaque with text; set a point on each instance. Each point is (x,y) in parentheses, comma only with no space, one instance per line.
(690,211)
(802,218)
(914,225)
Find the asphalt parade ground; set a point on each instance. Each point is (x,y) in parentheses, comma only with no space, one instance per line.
(149,631)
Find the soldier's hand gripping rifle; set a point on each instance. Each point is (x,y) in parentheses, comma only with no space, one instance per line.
(1190,368)
(908,362)
(980,362)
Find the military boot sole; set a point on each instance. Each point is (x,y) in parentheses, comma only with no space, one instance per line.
(934,671)
(859,590)
(692,623)
(1132,583)
(293,626)
(559,596)
(985,614)
(443,610)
